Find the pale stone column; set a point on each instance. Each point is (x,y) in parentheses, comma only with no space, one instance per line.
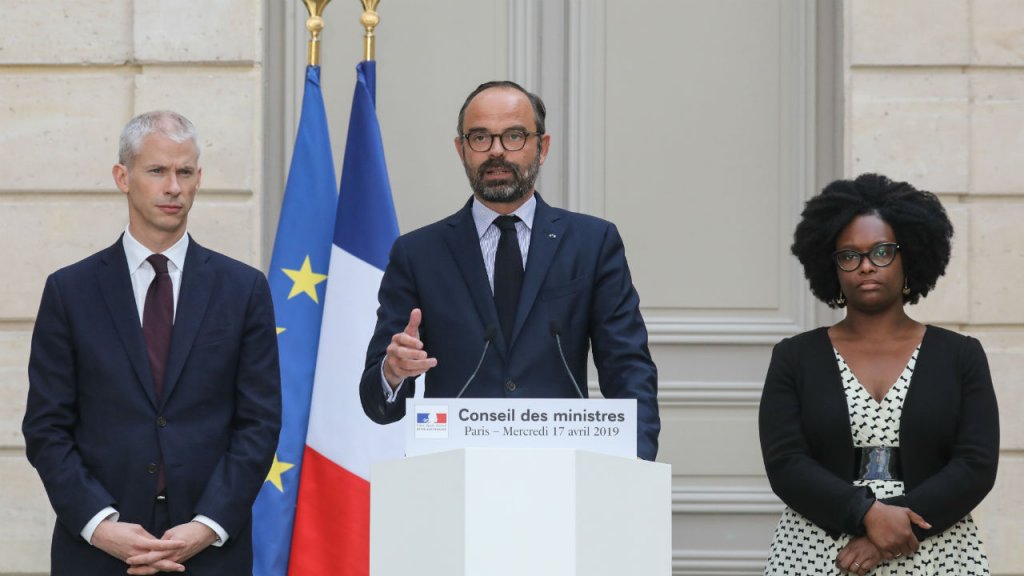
(935,96)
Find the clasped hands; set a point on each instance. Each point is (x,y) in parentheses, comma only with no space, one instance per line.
(406,357)
(147,554)
(889,535)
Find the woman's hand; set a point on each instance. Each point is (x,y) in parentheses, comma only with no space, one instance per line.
(859,556)
(889,529)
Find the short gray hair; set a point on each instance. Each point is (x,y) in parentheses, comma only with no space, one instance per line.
(163,122)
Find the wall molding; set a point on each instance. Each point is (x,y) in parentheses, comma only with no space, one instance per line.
(714,562)
(524,27)
(694,394)
(725,500)
(709,394)
(585,23)
(724,330)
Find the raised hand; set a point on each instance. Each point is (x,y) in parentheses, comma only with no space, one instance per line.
(406,357)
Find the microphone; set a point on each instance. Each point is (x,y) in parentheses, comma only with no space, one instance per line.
(489,336)
(558,340)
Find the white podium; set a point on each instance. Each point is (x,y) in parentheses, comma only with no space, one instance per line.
(516,512)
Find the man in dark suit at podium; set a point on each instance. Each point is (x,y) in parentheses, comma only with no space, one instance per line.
(511,283)
(154,399)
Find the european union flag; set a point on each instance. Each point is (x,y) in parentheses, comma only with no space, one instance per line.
(298,274)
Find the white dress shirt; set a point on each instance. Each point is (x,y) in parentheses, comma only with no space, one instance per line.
(142,275)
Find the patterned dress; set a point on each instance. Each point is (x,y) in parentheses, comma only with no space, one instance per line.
(800,547)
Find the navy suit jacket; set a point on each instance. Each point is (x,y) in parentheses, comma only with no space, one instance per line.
(949,433)
(93,426)
(576,279)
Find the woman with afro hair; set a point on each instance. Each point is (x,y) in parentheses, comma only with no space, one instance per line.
(880,434)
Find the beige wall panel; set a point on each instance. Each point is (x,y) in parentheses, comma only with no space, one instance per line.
(949,302)
(26,520)
(227,225)
(718,362)
(997,149)
(722,542)
(66,32)
(692,170)
(48,234)
(911,126)
(197,30)
(735,450)
(996,263)
(999,518)
(430,56)
(913,33)
(998,32)
(224,106)
(1005,351)
(14,350)
(60,130)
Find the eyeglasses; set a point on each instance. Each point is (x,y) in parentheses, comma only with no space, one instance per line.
(881,255)
(512,140)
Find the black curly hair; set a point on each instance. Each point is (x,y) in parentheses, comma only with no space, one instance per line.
(922,229)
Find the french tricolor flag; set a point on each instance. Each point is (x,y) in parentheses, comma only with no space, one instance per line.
(331,534)
(431,417)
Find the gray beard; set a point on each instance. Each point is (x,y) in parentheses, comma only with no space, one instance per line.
(520,184)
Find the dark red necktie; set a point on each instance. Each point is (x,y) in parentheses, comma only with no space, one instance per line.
(158,320)
(157,323)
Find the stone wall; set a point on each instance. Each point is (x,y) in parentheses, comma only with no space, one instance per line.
(71,74)
(935,96)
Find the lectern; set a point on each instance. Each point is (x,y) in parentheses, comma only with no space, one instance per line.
(518,512)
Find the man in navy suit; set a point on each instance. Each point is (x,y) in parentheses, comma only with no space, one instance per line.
(512,273)
(154,399)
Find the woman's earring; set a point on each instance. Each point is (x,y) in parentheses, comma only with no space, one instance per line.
(906,287)
(841,300)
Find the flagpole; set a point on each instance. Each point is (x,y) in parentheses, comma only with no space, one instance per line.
(314,24)
(369,20)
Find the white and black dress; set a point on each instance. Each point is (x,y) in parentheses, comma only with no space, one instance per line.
(801,547)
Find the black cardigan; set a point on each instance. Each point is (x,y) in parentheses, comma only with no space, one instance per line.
(949,433)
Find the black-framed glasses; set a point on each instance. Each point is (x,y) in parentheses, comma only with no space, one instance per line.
(881,255)
(512,140)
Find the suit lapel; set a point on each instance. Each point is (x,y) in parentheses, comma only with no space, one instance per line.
(116,286)
(464,245)
(197,280)
(546,236)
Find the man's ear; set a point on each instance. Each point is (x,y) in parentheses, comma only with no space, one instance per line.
(120,174)
(545,144)
(459,149)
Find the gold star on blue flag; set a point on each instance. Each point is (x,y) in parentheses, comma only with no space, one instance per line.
(298,268)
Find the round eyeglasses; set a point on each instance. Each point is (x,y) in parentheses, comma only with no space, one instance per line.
(512,140)
(881,255)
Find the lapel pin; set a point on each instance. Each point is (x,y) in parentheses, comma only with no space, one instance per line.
(552,236)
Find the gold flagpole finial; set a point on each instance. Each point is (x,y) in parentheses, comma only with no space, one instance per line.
(315,24)
(369,20)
